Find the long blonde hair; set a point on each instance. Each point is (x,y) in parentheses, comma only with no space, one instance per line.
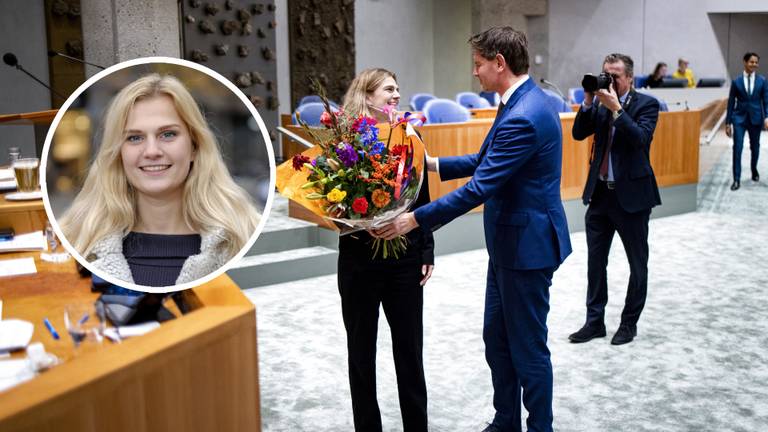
(107,203)
(364,84)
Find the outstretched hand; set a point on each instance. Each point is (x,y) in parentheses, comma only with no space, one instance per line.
(399,226)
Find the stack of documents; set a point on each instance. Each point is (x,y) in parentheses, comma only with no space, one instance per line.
(24,242)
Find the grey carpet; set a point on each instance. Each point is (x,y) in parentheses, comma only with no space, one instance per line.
(699,363)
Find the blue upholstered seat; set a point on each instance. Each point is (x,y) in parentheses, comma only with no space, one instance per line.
(419,99)
(491,97)
(576,95)
(445,111)
(471,100)
(556,101)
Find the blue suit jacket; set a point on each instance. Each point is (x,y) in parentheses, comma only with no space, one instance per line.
(516,175)
(744,109)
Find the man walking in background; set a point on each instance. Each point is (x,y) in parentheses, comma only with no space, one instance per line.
(747,113)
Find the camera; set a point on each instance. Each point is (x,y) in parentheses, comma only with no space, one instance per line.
(592,83)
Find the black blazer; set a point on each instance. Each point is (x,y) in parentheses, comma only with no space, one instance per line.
(636,188)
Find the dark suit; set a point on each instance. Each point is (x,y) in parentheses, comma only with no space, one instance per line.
(624,209)
(747,112)
(516,175)
(365,285)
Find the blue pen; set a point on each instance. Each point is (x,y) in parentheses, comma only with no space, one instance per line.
(50,328)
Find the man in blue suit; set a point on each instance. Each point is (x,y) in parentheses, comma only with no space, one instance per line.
(516,175)
(748,113)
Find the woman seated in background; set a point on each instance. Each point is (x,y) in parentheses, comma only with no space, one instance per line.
(158,206)
(397,284)
(657,77)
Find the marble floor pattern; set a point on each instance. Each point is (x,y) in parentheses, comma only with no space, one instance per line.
(699,362)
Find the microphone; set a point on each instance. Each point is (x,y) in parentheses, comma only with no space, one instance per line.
(52,53)
(11,60)
(551,84)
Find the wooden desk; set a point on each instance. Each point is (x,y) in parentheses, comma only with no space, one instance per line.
(674,151)
(22,216)
(196,372)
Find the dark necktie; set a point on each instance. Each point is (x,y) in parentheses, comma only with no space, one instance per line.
(604,162)
(749,85)
(501,108)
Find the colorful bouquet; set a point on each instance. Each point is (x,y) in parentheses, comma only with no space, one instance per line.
(354,177)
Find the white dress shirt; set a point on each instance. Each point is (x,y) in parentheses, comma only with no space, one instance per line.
(749,82)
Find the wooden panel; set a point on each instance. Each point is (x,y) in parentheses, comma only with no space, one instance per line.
(197,372)
(576,156)
(22,216)
(38,117)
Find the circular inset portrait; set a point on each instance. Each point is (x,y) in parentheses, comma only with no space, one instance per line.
(157,174)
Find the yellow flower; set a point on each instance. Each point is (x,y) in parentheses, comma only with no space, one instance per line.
(336,195)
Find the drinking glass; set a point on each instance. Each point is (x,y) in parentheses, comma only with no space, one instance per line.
(56,252)
(85,323)
(27,171)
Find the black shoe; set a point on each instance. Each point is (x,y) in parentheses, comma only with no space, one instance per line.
(624,334)
(587,333)
(755,176)
(735,185)
(492,428)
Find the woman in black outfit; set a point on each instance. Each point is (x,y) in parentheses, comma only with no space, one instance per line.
(394,283)
(657,77)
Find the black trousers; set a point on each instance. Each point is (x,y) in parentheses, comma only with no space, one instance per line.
(604,218)
(364,286)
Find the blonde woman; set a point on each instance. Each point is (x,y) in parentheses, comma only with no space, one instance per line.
(368,284)
(158,206)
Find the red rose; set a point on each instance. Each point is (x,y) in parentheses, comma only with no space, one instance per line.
(325,119)
(360,206)
(298,161)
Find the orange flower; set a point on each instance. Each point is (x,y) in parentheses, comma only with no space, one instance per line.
(380,198)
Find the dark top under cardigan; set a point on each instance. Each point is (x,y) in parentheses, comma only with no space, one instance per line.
(156,259)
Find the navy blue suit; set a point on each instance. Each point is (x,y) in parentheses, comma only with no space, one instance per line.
(747,113)
(626,208)
(516,175)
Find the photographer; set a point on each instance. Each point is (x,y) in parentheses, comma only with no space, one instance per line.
(620,191)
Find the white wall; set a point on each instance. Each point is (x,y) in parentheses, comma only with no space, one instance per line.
(452,25)
(397,35)
(22,32)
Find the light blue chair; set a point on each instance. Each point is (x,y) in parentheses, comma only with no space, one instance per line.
(316,98)
(419,99)
(492,97)
(471,100)
(640,81)
(445,111)
(309,113)
(576,95)
(557,102)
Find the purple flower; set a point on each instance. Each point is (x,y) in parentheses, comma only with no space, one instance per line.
(347,154)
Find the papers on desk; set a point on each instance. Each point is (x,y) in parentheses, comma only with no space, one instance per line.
(24,242)
(15,372)
(15,267)
(116,334)
(15,334)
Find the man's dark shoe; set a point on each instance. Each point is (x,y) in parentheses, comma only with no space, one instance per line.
(587,333)
(624,334)
(492,428)
(735,185)
(755,176)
